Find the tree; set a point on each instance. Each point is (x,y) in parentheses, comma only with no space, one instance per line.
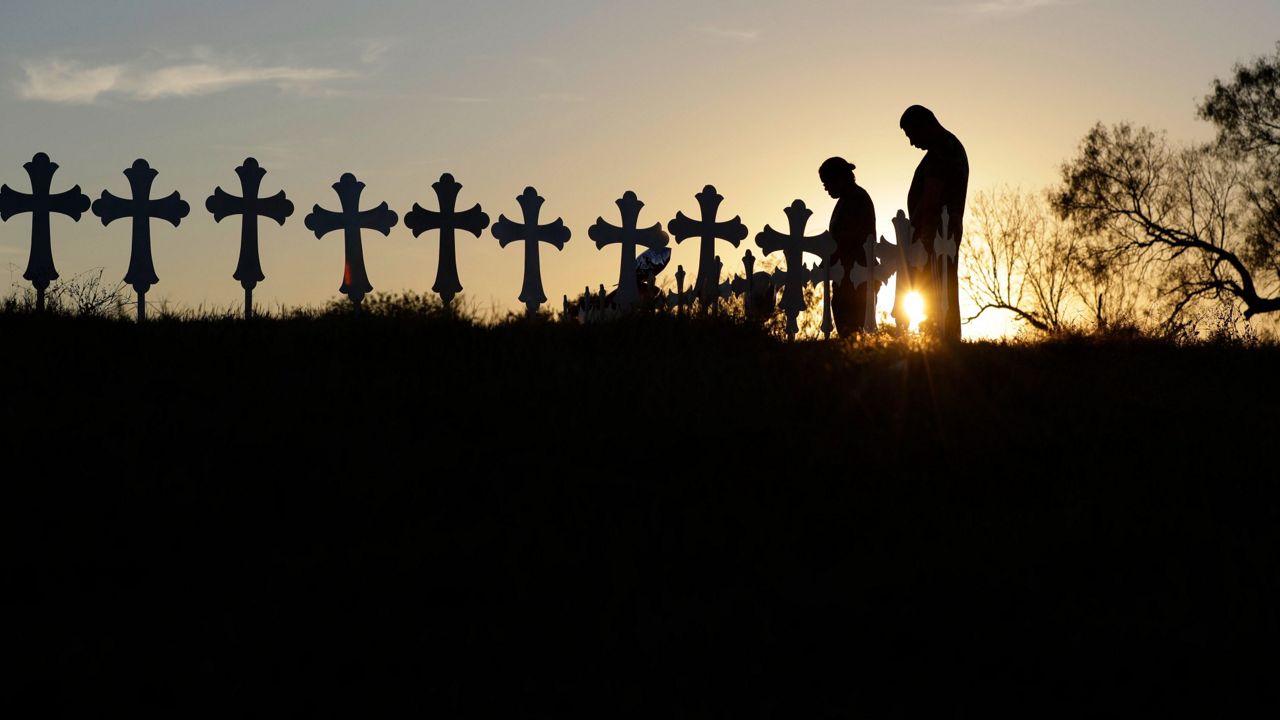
(1247,109)
(1020,259)
(1206,215)
(1247,114)
(1023,259)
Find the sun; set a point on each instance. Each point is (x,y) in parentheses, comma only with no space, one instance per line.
(913,303)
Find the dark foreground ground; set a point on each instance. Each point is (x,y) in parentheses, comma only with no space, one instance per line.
(650,518)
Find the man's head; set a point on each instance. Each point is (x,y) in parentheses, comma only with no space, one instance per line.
(836,174)
(921,126)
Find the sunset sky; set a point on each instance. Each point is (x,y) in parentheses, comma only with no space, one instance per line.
(583,100)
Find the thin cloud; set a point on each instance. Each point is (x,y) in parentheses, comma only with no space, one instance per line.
(64,81)
(739,34)
(1007,8)
(205,79)
(374,50)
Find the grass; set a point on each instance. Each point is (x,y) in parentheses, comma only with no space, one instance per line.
(315,513)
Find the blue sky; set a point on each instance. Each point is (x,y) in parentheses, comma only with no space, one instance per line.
(583,100)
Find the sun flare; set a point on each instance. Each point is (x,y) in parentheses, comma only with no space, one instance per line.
(914,305)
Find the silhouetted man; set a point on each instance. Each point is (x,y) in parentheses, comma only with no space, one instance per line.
(853,219)
(941,180)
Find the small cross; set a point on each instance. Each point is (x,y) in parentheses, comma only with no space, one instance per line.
(72,203)
(351,220)
(420,220)
(628,237)
(680,275)
(277,207)
(142,273)
(533,235)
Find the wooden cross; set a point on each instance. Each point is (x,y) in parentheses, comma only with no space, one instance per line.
(351,220)
(945,249)
(420,220)
(793,246)
(72,203)
(709,231)
(277,207)
(533,235)
(142,273)
(627,236)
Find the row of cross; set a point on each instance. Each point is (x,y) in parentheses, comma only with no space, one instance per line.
(883,258)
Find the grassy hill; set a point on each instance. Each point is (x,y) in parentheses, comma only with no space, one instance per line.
(647,517)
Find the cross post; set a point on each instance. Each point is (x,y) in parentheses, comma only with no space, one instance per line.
(533,235)
(945,249)
(40,203)
(351,220)
(249,208)
(628,237)
(793,246)
(142,273)
(680,275)
(447,220)
(708,230)
(911,256)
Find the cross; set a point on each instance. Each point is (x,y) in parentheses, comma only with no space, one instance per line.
(533,234)
(420,220)
(628,237)
(142,272)
(945,249)
(277,207)
(751,286)
(351,220)
(793,246)
(911,256)
(824,275)
(72,203)
(913,252)
(683,228)
(882,264)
